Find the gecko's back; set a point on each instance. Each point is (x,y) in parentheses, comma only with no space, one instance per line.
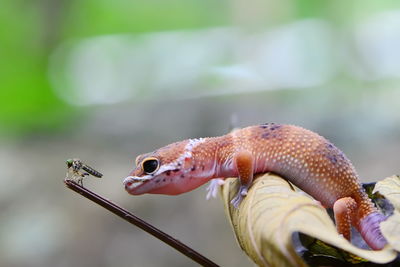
(305,158)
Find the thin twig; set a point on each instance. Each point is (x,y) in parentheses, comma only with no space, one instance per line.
(127,216)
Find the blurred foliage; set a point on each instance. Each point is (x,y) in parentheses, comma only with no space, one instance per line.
(100,17)
(30,30)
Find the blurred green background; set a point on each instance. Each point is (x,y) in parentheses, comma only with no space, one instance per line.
(108,80)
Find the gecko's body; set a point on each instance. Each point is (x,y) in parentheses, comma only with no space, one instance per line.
(303,157)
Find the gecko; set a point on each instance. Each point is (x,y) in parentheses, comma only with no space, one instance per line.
(301,156)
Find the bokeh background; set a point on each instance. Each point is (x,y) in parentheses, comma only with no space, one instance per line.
(108,80)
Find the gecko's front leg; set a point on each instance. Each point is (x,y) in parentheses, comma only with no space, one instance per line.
(244,164)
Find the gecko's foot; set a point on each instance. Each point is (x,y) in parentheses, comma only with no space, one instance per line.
(240,196)
(212,188)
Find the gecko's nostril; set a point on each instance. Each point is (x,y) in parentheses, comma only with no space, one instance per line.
(128,184)
(128,181)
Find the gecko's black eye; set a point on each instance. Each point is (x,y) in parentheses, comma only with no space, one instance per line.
(150,165)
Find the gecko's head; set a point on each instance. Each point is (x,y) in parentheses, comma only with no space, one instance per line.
(162,171)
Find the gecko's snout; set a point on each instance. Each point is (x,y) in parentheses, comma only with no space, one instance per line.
(128,181)
(131,182)
(127,184)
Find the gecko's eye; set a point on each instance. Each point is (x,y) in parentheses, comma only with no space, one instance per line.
(150,165)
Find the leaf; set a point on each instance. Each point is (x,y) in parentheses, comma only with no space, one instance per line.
(274,211)
(390,189)
(391,230)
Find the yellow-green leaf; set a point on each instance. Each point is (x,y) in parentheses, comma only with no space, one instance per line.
(391,230)
(272,211)
(390,188)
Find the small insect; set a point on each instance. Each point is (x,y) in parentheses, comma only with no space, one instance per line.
(75,167)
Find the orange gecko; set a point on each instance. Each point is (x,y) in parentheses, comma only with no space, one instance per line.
(303,157)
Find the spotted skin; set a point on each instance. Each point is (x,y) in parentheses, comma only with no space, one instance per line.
(343,210)
(303,157)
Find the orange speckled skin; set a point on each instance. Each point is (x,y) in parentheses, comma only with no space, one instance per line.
(303,157)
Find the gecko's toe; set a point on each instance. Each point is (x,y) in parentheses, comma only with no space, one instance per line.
(237,200)
(243,192)
(240,196)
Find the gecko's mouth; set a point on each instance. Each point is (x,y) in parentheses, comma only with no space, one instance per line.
(131,182)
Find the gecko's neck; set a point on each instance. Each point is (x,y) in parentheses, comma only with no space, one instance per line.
(220,150)
(201,157)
